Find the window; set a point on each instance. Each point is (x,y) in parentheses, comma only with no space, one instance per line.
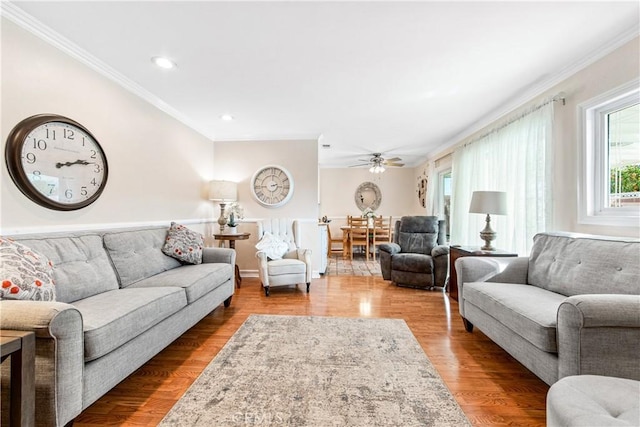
(610,161)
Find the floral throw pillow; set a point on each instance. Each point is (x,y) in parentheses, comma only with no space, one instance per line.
(183,244)
(272,246)
(25,274)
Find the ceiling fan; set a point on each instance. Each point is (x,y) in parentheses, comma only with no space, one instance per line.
(378,163)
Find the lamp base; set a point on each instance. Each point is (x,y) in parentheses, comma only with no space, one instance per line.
(488,235)
(222,221)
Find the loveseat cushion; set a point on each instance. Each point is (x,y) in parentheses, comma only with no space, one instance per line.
(81,267)
(529,311)
(196,280)
(137,254)
(580,265)
(113,318)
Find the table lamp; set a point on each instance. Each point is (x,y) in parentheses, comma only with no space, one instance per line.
(488,202)
(223,192)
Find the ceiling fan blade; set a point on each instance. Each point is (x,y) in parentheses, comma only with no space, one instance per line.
(394,159)
(394,164)
(359,165)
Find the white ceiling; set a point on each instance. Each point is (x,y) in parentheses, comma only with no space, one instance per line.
(401,78)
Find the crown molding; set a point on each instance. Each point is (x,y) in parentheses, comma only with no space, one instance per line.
(40,30)
(538,89)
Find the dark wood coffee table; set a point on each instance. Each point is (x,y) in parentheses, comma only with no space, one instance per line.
(21,347)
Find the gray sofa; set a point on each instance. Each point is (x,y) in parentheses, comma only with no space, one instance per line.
(120,301)
(571,308)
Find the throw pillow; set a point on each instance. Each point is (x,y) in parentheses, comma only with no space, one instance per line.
(183,244)
(25,274)
(271,245)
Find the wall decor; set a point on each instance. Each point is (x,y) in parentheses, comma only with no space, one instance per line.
(422,190)
(56,162)
(368,195)
(272,186)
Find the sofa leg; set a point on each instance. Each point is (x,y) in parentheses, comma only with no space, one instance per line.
(227,302)
(308,284)
(266,291)
(468,326)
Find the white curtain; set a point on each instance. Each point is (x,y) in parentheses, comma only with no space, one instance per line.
(515,158)
(432,187)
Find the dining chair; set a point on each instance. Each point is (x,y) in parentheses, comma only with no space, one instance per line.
(359,235)
(331,249)
(381,233)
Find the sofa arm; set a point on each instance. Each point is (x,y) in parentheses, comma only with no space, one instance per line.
(59,355)
(440,255)
(263,271)
(599,335)
(305,256)
(219,255)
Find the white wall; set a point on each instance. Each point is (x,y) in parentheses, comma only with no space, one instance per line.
(613,70)
(238,160)
(157,165)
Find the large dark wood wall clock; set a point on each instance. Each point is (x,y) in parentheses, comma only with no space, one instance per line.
(56,162)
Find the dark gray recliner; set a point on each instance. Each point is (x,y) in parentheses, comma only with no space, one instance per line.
(417,257)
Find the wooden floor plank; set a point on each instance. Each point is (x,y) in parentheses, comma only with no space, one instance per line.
(492,388)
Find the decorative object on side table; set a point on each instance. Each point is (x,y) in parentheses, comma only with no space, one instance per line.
(235,212)
(223,192)
(488,202)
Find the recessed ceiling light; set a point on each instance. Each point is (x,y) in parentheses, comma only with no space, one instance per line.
(227,117)
(163,62)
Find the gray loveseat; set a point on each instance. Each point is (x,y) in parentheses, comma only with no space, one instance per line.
(120,301)
(571,308)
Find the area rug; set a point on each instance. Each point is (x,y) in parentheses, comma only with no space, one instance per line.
(337,265)
(318,371)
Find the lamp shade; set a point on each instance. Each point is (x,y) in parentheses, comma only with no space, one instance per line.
(223,191)
(489,202)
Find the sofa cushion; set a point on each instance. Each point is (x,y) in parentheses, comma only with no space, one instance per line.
(81,267)
(196,280)
(579,265)
(529,311)
(412,263)
(137,254)
(113,318)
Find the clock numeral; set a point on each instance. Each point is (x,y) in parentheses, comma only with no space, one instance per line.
(31,158)
(39,144)
(52,189)
(83,191)
(68,193)
(97,168)
(69,134)
(93,152)
(51,134)
(93,182)
(36,175)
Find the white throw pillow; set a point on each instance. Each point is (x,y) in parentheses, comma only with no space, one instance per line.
(271,245)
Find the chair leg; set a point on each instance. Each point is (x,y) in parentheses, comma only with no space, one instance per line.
(266,291)
(308,284)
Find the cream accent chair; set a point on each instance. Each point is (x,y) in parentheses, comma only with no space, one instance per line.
(295,265)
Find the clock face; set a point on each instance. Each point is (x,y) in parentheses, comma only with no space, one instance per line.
(56,162)
(272,186)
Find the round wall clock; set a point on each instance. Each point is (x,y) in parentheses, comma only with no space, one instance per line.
(56,162)
(272,186)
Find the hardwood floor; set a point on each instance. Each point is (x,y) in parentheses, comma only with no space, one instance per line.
(492,388)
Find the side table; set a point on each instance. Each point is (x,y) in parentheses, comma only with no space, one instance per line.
(21,347)
(231,238)
(456,252)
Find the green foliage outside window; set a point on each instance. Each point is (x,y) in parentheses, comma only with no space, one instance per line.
(629,180)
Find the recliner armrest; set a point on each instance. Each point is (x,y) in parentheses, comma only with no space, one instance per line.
(390,248)
(440,250)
